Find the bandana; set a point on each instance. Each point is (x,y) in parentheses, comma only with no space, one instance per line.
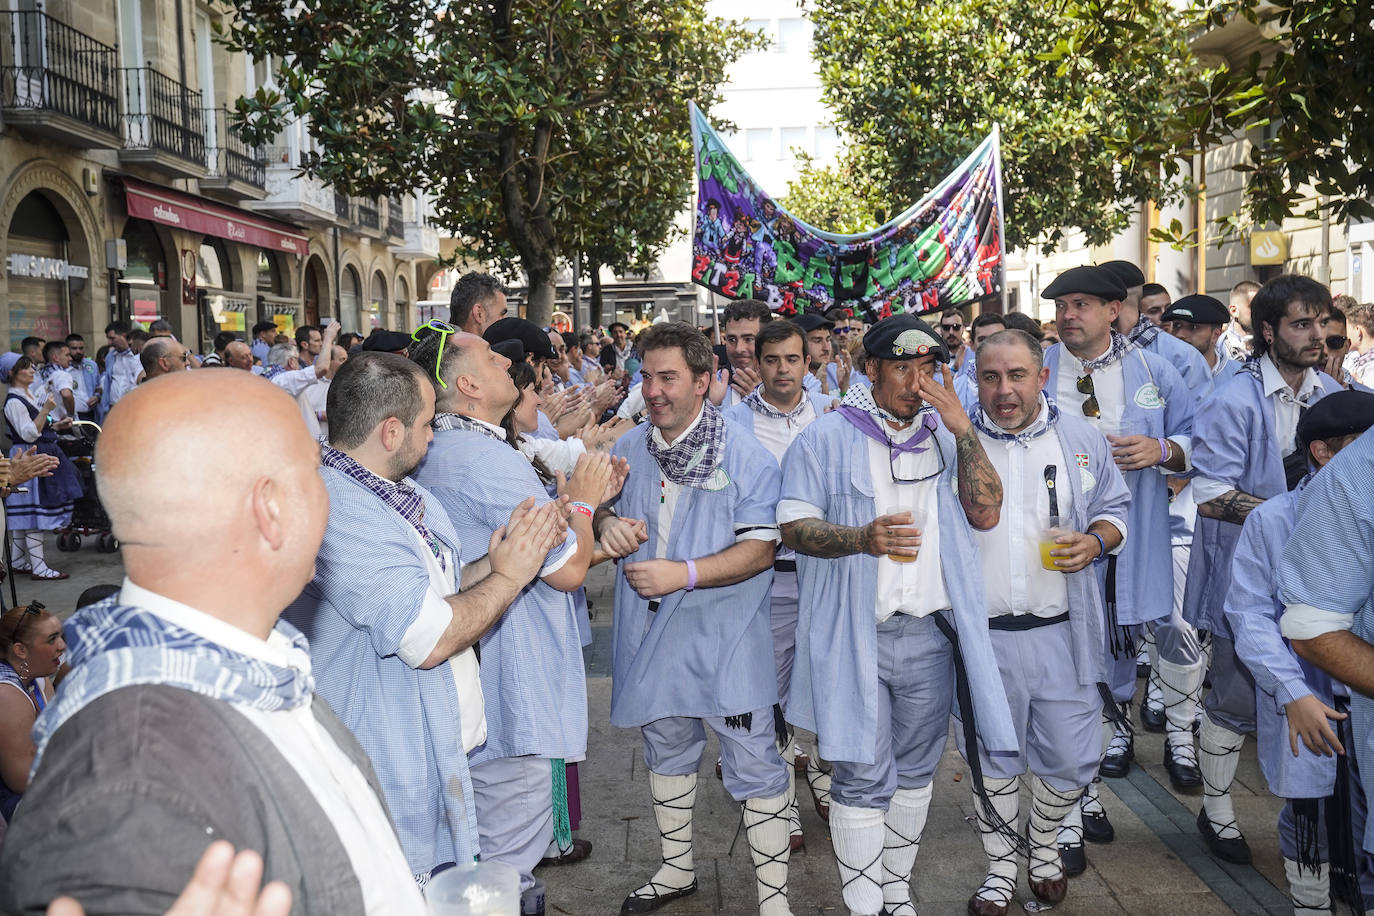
(444,421)
(405,500)
(755,400)
(1119,348)
(693,459)
(111,646)
(271,372)
(1024,438)
(1144,332)
(859,408)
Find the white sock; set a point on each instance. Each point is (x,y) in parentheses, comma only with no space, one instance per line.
(766,829)
(673,797)
(818,777)
(858,837)
(1154,689)
(1049,809)
(1089,803)
(794,827)
(1218,758)
(904,823)
(19,553)
(1310,892)
(1182,685)
(1000,883)
(33,545)
(1071,828)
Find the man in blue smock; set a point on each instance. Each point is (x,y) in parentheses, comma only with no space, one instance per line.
(1299,709)
(1246,452)
(1061,488)
(390,635)
(1140,403)
(692,642)
(775,414)
(879,500)
(532,658)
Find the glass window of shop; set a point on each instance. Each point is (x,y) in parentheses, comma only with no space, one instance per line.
(350,298)
(402,305)
(145,273)
(222,309)
(376,305)
(271,288)
(39,276)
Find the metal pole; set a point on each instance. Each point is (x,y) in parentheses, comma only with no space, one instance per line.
(9,565)
(578,324)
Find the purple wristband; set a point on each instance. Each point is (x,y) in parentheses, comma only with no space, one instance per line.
(691,575)
(1163,450)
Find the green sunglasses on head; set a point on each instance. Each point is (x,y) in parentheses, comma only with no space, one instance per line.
(444,329)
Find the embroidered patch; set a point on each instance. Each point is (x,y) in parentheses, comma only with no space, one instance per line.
(1147,396)
(914,341)
(1086,477)
(1081,459)
(718,480)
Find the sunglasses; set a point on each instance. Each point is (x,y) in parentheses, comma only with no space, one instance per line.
(1090,406)
(444,329)
(951,328)
(844,331)
(36,608)
(1336,342)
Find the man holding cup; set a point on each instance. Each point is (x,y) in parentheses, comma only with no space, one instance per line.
(1044,605)
(1141,404)
(889,617)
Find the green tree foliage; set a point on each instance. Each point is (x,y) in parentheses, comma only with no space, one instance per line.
(916,87)
(540,127)
(836,198)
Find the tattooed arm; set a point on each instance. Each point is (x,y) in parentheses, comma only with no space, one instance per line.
(886,534)
(980,489)
(1232,506)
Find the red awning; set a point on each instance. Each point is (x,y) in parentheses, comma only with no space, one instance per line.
(196,214)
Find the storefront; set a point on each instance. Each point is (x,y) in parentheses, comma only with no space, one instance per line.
(40,278)
(220,306)
(376,305)
(350,299)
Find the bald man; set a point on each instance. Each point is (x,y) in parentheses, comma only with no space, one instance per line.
(189,714)
(163,356)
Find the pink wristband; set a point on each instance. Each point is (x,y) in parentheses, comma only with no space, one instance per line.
(1163,450)
(691,575)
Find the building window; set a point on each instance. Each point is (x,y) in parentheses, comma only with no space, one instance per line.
(794,36)
(793,138)
(39,300)
(759,144)
(350,296)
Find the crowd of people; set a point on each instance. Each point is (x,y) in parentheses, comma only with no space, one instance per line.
(358,653)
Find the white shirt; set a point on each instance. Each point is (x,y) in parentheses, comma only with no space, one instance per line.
(633,405)
(19,418)
(295,381)
(343,793)
(124,369)
(557,454)
(672,491)
(58,381)
(312,403)
(1015,580)
(777,433)
(1287,412)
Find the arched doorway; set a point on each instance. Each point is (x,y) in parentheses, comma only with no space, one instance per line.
(403,317)
(145,274)
(315,291)
(39,276)
(350,299)
(377,303)
(222,307)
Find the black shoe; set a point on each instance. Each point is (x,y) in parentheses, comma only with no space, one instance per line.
(579,850)
(1185,776)
(1236,851)
(1142,669)
(1115,766)
(1097,829)
(1152,718)
(1074,859)
(634,905)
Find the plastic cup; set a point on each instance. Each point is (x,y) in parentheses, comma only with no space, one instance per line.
(918,521)
(1054,529)
(478,889)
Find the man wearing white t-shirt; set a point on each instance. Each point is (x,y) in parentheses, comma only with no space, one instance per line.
(55,379)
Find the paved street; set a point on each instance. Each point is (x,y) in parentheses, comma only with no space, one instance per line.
(1157,865)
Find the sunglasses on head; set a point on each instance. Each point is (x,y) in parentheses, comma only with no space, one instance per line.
(1090,406)
(35,608)
(1336,342)
(443,329)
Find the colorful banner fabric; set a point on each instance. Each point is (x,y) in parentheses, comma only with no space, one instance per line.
(945,250)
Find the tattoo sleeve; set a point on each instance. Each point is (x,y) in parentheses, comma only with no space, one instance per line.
(818,538)
(980,489)
(1232,506)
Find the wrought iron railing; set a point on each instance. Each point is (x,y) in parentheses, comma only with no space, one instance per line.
(395,218)
(162,114)
(368,216)
(226,153)
(46,64)
(341,209)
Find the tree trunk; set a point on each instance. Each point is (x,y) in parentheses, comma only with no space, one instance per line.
(540,298)
(598,319)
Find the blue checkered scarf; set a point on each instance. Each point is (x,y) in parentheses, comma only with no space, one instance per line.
(756,402)
(693,459)
(1144,332)
(1024,438)
(405,500)
(1120,346)
(110,646)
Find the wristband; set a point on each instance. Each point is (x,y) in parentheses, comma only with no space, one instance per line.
(584,508)
(1101,546)
(691,575)
(1163,450)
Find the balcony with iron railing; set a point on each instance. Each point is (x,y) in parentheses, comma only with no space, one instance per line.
(369,217)
(395,220)
(292,196)
(163,124)
(343,207)
(235,168)
(56,81)
(420,240)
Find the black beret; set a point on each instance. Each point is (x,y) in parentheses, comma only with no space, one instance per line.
(903,337)
(811,321)
(1344,413)
(533,338)
(1091,281)
(384,341)
(1126,272)
(1198,309)
(512,350)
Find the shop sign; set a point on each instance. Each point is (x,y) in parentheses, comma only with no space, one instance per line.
(40,268)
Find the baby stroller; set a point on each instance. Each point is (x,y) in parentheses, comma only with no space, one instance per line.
(88,515)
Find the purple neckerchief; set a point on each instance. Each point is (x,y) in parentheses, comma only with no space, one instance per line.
(401,498)
(868,424)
